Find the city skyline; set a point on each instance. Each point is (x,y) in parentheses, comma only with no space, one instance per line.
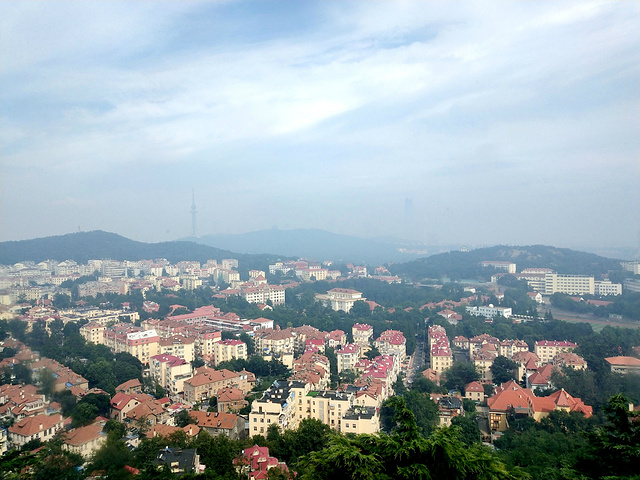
(501,122)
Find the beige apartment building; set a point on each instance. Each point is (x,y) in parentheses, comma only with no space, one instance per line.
(546,350)
(93,332)
(170,372)
(178,346)
(569,284)
(362,334)
(348,356)
(207,381)
(283,404)
(229,349)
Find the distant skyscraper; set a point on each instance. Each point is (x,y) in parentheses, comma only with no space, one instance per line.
(193,213)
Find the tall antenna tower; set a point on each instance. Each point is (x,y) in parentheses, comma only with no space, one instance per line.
(193,212)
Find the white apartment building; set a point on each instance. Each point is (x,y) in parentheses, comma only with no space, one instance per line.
(230,349)
(605,288)
(489,311)
(508,267)
(340,298)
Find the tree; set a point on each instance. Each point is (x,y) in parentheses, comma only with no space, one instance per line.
(372,353)
(460,375)
(83,414)
(614,448)
(468,428)
(404,454)
(503,369)
(183,419)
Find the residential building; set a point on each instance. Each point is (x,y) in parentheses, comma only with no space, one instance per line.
(207,382)
(179,461)
(392,342)
(178,346)
(220,423)
(38,427)
(328,406)
(255,462)
(511,400)
(229,349)
(348,356)
(489,311)
(170,372)
(546,350)
(283,404)
(624,365)
(362,334)
(231,400)
(340,298)
(86,440)
(474,391)
(569,284)
(360,420)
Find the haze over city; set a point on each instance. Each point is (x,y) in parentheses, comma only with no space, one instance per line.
(503,122)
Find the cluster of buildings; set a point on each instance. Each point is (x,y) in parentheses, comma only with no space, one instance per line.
(29,281)
(352,409)
(548,282)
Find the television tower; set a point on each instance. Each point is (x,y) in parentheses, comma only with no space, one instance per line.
(193,212)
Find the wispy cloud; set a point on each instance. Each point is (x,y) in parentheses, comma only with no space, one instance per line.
(317,105)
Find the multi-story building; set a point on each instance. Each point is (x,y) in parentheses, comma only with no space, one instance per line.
(179,346)
(508,267)
(206,383)
(489,311)
(226,350)
(340,298)
(546,350)
(362,334)
(392,342)
(93,332)
(170,372)
(605,288)
(38,427)
(85,440)
(263,293)
(569,284)
(328,406)
(283,404)
(348,356)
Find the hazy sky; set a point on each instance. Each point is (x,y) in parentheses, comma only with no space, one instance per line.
(514,122)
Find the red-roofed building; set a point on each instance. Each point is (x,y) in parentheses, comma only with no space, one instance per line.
(392,342)
(624,365)
(255,463)
(474,391)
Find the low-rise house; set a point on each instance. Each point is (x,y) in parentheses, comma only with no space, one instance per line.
(179,461)
(624,365)
(86,440)
(231,400)
(512,400)
(474,391)
(569,360)
(130,387)
(255,463)
(38,427)
(220,423)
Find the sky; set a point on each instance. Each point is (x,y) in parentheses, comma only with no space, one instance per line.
(504,122)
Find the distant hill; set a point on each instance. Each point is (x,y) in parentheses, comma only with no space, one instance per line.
(466,265)
(84,246)
(312,243)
